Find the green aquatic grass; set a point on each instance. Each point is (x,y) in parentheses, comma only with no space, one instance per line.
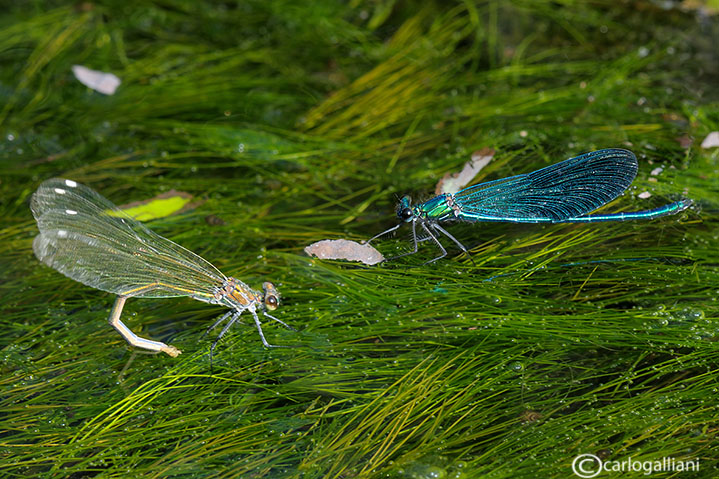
(293,123)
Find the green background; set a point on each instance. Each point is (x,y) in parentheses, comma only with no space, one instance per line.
(292,122)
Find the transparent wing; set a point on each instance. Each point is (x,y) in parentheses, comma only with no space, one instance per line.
(565,190)
(87,238)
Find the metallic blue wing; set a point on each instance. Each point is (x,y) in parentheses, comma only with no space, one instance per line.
(557,193)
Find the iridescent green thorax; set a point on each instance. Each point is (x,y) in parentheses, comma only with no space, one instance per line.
(438,208)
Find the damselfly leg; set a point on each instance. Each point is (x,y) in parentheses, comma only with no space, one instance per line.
(456,241)
(414,239)
(383,233)
(436,240)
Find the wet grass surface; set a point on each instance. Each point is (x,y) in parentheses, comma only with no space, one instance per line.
(294,123)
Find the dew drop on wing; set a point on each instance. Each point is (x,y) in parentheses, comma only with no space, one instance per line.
(43,248)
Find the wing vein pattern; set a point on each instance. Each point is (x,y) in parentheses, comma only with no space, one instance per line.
(87,238)
(568,189)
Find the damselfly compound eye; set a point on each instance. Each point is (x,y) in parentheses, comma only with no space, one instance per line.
(271,302)
(406,214)
(272,297)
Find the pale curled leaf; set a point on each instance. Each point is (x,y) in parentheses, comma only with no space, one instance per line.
(105,83)
(345,249)
(452,183)
(712,140)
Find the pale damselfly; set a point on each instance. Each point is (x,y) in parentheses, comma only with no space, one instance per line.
(87,238)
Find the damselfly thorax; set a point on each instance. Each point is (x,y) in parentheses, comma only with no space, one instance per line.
(237,295)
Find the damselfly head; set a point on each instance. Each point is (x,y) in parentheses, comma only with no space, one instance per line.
(271,296)
(404,210)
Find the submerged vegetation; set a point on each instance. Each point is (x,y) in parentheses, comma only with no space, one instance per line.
(290,123)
